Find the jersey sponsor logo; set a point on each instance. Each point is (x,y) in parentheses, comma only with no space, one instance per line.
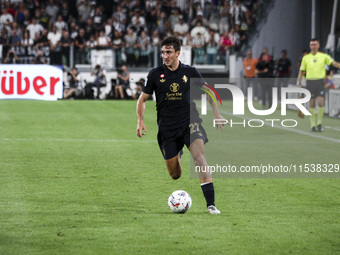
(174,87)
(175,94)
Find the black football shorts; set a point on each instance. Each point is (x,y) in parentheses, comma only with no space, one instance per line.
(171,142)
(316,88)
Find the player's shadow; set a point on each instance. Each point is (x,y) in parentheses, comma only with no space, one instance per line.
(155,212)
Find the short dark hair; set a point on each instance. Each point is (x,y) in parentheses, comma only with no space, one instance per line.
(172,41)
(314,39)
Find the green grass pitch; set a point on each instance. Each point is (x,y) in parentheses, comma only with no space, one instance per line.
(75,179)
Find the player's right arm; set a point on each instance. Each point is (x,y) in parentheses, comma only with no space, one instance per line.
(140,114)
(302,72)
(299,79)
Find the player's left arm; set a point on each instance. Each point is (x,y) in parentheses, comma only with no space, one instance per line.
(336,64)
(212,101)
(215,109)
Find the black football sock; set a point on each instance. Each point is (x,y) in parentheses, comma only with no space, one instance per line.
(209,193)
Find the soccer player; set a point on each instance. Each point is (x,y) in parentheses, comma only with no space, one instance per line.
(171,83)
(314,66)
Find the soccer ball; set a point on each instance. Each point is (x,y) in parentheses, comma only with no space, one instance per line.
(179,201)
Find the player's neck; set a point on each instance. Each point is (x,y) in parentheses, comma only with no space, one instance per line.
(174,66)
(314,52)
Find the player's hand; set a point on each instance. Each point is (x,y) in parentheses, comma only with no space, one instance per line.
(221,121)
(140,128)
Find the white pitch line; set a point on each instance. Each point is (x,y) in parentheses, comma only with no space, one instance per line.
(152,141)
(283,128)
(75,140)
(265,142)
(332,128)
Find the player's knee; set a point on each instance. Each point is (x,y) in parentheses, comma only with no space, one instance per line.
(175,175)
(198,159)
(174,168)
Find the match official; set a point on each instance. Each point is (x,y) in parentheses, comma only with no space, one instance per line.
(314,66)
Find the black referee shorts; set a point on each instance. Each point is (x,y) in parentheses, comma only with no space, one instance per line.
(316,88)
(171,142)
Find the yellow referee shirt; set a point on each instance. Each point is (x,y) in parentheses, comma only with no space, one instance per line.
(315,65)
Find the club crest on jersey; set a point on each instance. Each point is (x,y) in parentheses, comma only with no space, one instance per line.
(174,87)
(162,76)
(185,78)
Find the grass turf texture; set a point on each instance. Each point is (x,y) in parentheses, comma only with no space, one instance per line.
(75,179)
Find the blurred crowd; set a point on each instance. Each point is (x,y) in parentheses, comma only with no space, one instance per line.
(132,28)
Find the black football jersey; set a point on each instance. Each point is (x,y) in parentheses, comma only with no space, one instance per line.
(172,90)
